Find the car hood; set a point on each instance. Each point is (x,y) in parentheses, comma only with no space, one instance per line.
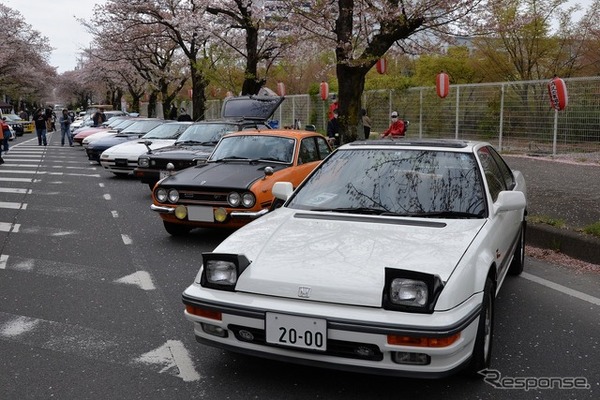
(136,148)
(181,152)
(340,257)
(111,141)
(237,174)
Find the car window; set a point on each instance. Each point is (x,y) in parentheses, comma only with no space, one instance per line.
(255,147)
(141,126)
(308,151)
(206,132)
(324,149)
(166,131)
(403,182)
(493,174)
(507,175)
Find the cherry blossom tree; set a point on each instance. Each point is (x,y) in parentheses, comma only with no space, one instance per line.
(361,32)
(25,75)
(252,35)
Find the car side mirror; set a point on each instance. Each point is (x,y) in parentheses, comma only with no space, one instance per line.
(282,190)
(510,201)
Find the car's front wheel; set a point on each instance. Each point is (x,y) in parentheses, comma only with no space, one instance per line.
(482,351)
(176,229)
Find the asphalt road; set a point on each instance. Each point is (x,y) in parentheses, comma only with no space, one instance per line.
(90,306)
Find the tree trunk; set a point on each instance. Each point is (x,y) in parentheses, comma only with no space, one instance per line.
(199,85)
(351,81)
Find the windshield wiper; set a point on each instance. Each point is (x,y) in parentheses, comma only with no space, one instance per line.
(446,214)
(233,158)
(273,159)
(355,210)
(190,142)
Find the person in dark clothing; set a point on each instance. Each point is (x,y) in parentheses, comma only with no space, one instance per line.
(333,129)
(173,112)
(184,116)
(41,119)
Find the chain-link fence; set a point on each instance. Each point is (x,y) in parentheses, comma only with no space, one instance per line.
(514,116)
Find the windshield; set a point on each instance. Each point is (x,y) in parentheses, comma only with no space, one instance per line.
(206,133)
(166,131)
(141,127)
(395,182)
(255,147)
(123,124)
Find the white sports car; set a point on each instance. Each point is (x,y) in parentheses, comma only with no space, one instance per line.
(387,259)
(122,159)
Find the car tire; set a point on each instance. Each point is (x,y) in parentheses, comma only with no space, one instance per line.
(482,350)
(176,229)
(518,261)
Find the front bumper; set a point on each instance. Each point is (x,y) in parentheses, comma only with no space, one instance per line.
(357,337)
(119,165)
(234,219)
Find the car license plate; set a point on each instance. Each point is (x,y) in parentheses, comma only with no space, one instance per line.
(121,162)
(203,214)
(164,173)
(293,331)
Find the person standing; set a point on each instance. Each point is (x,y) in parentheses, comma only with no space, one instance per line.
(65,127)
(366,123)
(173,112)
(5,136)
(333,129)
(396,129)
(40,120)
(99,117)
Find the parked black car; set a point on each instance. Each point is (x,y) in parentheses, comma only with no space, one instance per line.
(198,141)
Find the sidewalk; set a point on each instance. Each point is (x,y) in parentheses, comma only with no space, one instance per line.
(565,190)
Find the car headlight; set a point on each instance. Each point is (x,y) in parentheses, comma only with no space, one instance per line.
(144,162)
(248,200)
(234,199)
(161,195)
(222,271)
(411,291)
(173,196)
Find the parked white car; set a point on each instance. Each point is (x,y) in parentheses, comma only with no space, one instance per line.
(387,259)
(122,158)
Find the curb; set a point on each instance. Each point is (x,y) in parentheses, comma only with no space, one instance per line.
(574,244)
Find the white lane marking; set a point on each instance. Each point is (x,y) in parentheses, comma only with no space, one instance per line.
(9,227)
(172,355)
(126,239)
(18,326)
(115,214)
(16,180)
(107,197)
(139,278)
(13,206)
(562,289)
(15,190)
(3,260)
(101,185)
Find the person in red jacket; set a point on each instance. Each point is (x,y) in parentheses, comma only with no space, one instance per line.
(396,129)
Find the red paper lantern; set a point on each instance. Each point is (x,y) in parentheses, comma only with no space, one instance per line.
(557,89)
(442,84)
(281,89)
(191,93)
(381,65)
(324,90)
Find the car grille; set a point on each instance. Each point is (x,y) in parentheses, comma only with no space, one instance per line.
(206,197)
(337,348)
(178,164)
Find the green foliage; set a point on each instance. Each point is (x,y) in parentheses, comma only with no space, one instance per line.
(456,63)
(593,229)
(544,219)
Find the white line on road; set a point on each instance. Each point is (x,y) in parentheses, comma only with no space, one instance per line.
(126,239)
(13,205)
(107,197)
(562,289)
(15,190)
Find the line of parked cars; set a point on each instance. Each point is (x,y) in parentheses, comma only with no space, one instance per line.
(383,256)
